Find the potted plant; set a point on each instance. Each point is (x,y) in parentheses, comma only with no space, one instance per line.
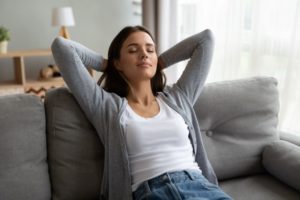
(4,38)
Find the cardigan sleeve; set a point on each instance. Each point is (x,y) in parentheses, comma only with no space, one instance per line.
(73,59)
(199,49)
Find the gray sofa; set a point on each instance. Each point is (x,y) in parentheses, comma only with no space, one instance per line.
(49,149)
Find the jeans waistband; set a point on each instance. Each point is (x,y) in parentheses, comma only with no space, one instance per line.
(174,177)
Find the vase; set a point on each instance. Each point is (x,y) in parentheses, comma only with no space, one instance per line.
(3,47)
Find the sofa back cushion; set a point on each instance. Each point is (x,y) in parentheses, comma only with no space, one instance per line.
(23,157)
(238,119)
(75,152)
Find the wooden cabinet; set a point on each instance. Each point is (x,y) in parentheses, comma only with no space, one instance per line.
(20,83)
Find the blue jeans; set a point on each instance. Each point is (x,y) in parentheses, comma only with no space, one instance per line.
(179,185)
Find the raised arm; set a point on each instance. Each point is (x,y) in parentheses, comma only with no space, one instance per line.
(199,49)
(73,58)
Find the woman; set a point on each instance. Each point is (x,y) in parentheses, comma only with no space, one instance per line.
(152,141)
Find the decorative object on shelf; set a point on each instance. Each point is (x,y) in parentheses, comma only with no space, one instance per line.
(4,38)
(46,72)
(63,17)
(50,71)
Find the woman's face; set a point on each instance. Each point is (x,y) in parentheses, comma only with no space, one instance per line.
(138,58)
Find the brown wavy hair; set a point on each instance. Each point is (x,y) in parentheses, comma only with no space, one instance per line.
(113,81)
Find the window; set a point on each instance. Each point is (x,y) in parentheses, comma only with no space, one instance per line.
(252,38)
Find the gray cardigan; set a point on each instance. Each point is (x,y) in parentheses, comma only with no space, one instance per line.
(105,110)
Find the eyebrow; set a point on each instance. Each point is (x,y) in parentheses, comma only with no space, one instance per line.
(136,44)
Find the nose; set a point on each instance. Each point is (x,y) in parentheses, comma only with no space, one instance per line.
(144,54)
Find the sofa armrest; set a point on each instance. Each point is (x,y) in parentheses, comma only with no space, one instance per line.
(282,160)
(289,137)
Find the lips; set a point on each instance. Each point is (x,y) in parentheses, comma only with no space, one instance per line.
(144,64)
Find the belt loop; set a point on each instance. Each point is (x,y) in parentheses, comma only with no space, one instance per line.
(169,178)
(165,177)
(147,187)
(190,175)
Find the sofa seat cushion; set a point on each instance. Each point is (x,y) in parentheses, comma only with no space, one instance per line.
(259,187)
(238,119)
(23,155)
(75,152)
(282,160)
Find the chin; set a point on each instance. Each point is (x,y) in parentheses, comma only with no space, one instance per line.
(147,75)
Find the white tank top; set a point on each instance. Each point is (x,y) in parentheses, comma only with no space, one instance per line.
(158,144)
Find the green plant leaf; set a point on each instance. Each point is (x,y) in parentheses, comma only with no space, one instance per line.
(4,34)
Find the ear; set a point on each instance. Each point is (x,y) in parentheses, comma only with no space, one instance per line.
(117,65)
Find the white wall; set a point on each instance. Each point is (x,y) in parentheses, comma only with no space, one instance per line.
(97,22)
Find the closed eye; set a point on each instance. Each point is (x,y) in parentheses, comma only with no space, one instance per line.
(134,47)
(132,50)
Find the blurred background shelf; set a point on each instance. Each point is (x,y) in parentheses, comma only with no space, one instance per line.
(19,84)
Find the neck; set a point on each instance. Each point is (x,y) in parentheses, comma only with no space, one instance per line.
(141,93)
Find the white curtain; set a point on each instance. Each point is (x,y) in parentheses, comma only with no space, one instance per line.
(253,37)
(160,17)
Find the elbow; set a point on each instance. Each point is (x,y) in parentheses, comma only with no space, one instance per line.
(206,39)
(209,36)
(57,44)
